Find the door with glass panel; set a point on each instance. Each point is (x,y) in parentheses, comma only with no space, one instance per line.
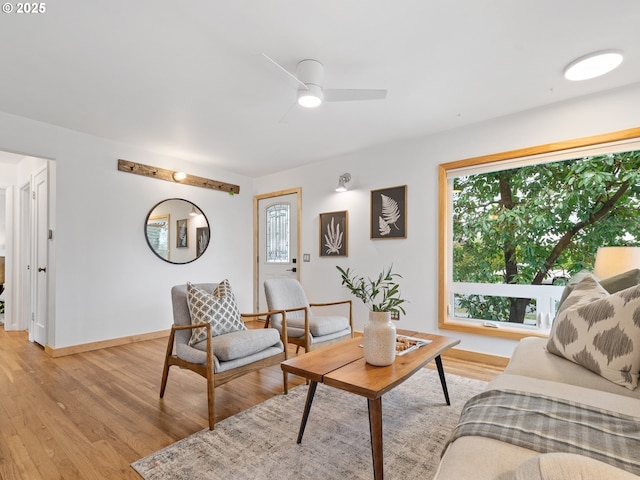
(277,240)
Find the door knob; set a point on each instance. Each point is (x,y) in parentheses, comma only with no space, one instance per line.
(42,269)
(294,269)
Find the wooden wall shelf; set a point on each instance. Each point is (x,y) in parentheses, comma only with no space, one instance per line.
(168,175)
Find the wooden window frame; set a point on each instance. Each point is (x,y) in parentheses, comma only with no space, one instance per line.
(445,255)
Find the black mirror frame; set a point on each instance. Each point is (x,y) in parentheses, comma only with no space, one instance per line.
(208,240)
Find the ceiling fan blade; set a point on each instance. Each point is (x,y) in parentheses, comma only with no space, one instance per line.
(347,95)
(280,68)
(286,117)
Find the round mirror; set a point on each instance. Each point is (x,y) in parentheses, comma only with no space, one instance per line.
(177,231)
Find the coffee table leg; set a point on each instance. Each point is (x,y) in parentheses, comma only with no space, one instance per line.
(375,426)
(307,407)
(443,381)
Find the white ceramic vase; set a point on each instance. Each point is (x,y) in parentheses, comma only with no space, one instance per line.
(379,340)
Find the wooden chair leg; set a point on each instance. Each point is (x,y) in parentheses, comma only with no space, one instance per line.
(165,371)
(165,376)
(211,401)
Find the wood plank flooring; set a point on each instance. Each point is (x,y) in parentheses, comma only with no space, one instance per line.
(89,415)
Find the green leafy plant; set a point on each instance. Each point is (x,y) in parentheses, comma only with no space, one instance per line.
(380,295)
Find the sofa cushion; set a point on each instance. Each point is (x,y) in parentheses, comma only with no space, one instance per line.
(320,326)
(532,361)
(613,284)
(568,466)
(621,281)
(218,309)
(600,331)
(241,343)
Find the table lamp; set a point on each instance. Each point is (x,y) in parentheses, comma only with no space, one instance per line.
(611,261)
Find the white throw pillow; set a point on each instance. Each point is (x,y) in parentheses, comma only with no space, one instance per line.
(600,331)
(218,309)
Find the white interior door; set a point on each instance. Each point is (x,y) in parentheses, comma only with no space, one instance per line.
(24,280)
(39,314)
(278,237)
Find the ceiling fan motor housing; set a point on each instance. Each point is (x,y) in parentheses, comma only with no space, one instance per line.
(310,72)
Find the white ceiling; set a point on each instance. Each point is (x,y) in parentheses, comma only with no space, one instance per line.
(187,79)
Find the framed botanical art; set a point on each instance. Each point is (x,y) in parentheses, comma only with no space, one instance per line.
(334,234)
(202,239)
(182,233)
(389,212)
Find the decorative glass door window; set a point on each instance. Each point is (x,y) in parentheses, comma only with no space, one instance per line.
(277,233)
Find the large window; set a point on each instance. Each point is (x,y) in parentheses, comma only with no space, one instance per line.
(514,226)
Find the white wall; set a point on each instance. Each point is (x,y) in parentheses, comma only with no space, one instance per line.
(414,163)
(108,284)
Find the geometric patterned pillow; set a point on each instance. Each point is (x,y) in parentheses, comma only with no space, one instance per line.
(218,308)
(599,331)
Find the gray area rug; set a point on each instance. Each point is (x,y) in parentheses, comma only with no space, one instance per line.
(260,443)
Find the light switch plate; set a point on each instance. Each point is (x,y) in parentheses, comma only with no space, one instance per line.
(306,257)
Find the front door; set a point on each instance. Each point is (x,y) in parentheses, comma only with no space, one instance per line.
(278,217)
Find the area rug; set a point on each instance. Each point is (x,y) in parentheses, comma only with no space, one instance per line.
(260,443)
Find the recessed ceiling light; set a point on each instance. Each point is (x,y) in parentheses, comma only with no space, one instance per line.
(593,65)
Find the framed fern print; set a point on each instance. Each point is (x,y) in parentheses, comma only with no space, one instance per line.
(389,212)
(182,233)
(334,234)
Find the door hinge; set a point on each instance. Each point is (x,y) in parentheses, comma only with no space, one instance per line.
(33,194)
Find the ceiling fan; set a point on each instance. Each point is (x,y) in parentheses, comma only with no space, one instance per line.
(308,79)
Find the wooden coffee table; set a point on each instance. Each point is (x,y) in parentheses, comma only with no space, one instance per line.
(342,366)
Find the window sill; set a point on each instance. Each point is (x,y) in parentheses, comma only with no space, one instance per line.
(500,331)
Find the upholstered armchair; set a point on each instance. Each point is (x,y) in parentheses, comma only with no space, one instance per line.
(222,357)
(303,327)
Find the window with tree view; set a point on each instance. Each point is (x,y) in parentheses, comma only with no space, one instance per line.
(518,231)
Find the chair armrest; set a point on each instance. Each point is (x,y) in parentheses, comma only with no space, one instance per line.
(206,326)
(260,314)
(327,304)
(190,327)
(331,303)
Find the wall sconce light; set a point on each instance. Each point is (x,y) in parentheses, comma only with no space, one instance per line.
(611,261)
(193,212)
(179,176)
(342,182)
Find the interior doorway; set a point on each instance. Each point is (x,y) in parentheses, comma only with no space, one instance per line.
(28,243)
(277,219)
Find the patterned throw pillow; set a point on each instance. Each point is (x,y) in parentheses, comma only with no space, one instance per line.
(218,308)
(600,331)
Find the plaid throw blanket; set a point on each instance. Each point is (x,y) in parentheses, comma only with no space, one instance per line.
(547,424)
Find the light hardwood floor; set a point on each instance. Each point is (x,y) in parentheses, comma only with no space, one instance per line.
(89,415)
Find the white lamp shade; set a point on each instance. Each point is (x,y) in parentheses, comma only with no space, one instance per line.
(611,261)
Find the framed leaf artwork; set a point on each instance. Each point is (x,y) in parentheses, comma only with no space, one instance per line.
(182,233)
(202,237)
(389,212)
(334,234)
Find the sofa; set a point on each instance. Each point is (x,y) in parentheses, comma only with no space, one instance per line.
(598,393)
